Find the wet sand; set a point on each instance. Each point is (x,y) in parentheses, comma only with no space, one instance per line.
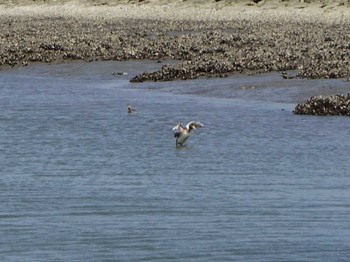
(206,38)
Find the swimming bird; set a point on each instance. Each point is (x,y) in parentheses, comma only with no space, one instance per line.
(182,133)
(131,109)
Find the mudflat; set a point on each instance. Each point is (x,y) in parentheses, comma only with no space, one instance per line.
(212,38)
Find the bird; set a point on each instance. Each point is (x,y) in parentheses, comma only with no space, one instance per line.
(182,133)
(131,109)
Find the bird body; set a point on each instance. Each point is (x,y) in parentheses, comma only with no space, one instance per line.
(131,109)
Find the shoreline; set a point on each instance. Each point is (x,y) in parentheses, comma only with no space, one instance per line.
(206,38)
(177,9)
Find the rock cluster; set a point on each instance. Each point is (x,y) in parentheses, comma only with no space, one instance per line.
(186,70)
(318,49)
(335,105)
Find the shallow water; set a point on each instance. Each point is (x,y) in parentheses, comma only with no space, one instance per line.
(82,180)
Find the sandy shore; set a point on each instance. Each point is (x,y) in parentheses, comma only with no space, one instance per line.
(179,9)
(207,37)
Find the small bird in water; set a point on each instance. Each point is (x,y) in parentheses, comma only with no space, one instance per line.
(182,133)
(131,109)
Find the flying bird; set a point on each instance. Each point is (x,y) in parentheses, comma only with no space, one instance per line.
(182,133)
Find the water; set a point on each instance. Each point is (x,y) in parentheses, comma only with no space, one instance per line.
(81,180)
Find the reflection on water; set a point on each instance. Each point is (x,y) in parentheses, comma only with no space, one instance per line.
(83,180)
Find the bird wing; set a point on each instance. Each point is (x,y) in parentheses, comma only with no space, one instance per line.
(177,128)
(197,124)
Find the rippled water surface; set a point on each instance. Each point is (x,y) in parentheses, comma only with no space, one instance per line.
(81,180)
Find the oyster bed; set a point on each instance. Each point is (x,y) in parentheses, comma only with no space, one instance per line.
(318,46)
(338,105)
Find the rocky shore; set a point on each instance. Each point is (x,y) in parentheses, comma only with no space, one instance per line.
(204,42)
(336,105)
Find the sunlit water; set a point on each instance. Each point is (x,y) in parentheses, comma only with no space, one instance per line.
(83,180)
